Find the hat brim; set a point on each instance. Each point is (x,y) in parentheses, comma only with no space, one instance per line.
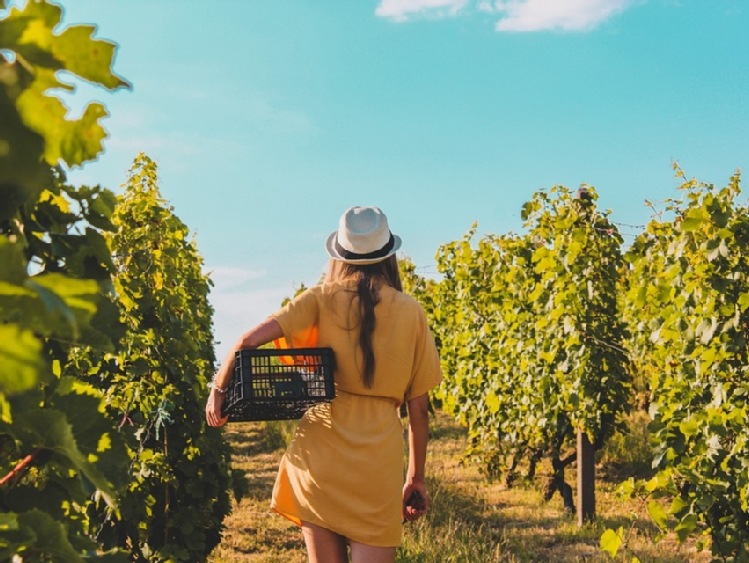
(333,253)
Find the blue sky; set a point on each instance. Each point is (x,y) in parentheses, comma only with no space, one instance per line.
(268,118)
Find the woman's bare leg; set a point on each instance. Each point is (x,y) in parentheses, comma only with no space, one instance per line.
(323,545)
(363,553)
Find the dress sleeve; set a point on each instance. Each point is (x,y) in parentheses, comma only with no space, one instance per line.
(299,320)
(427,372)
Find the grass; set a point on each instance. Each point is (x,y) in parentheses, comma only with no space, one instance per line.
(471,520)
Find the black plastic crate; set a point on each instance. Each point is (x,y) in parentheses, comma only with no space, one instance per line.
(272,384)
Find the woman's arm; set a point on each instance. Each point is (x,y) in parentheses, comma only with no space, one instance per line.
(263,333)
(418,436)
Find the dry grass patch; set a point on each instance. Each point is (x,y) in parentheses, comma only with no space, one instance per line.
(471,520)
(253,533)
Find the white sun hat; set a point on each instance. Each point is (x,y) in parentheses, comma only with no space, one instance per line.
(363,237)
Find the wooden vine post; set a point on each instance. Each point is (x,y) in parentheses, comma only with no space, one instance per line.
(586,479)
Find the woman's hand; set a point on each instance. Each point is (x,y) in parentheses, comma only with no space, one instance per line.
(418,435)
(213,409)
(265,332)
(415,501)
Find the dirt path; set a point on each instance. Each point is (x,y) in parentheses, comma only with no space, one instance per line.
(253,533)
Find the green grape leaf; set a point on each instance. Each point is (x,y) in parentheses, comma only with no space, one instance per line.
(658,514)
(22,173)
(690,426)
(73,141)
(610,542)
(50,304)
(50,537)
(12,262)
(21,366)
(13,535)
(89,58)
(94,434)
(31,33)
(51,430)
(686,526)
(17,27)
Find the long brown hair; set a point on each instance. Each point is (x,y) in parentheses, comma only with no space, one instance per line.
(368,278)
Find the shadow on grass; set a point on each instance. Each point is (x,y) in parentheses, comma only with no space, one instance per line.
(260,486)
(643,526)
(245,439)
(252,439)
(463,527)
(255,452)
(280,539)
(447,432)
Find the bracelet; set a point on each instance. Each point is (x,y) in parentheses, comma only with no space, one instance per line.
(217,388)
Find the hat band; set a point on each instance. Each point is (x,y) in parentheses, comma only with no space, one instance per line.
(381,253)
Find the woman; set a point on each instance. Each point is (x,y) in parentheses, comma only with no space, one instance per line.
(341,478)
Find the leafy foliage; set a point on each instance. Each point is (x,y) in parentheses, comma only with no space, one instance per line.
(60,453)
(688,309)
(529,333)
(157,383)
(37,132)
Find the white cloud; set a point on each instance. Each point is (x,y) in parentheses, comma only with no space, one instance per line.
(400,10)
(239,311)
(567,15)
(235,312)
(230,277)
(515,15)
(238,308)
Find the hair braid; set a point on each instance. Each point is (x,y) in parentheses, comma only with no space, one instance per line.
(368,278)
(368,298)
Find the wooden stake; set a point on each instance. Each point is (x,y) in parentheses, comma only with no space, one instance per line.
(586,479)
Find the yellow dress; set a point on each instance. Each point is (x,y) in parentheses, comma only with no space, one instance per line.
(344,467)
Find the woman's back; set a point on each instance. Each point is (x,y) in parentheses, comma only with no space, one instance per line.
(397,340)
